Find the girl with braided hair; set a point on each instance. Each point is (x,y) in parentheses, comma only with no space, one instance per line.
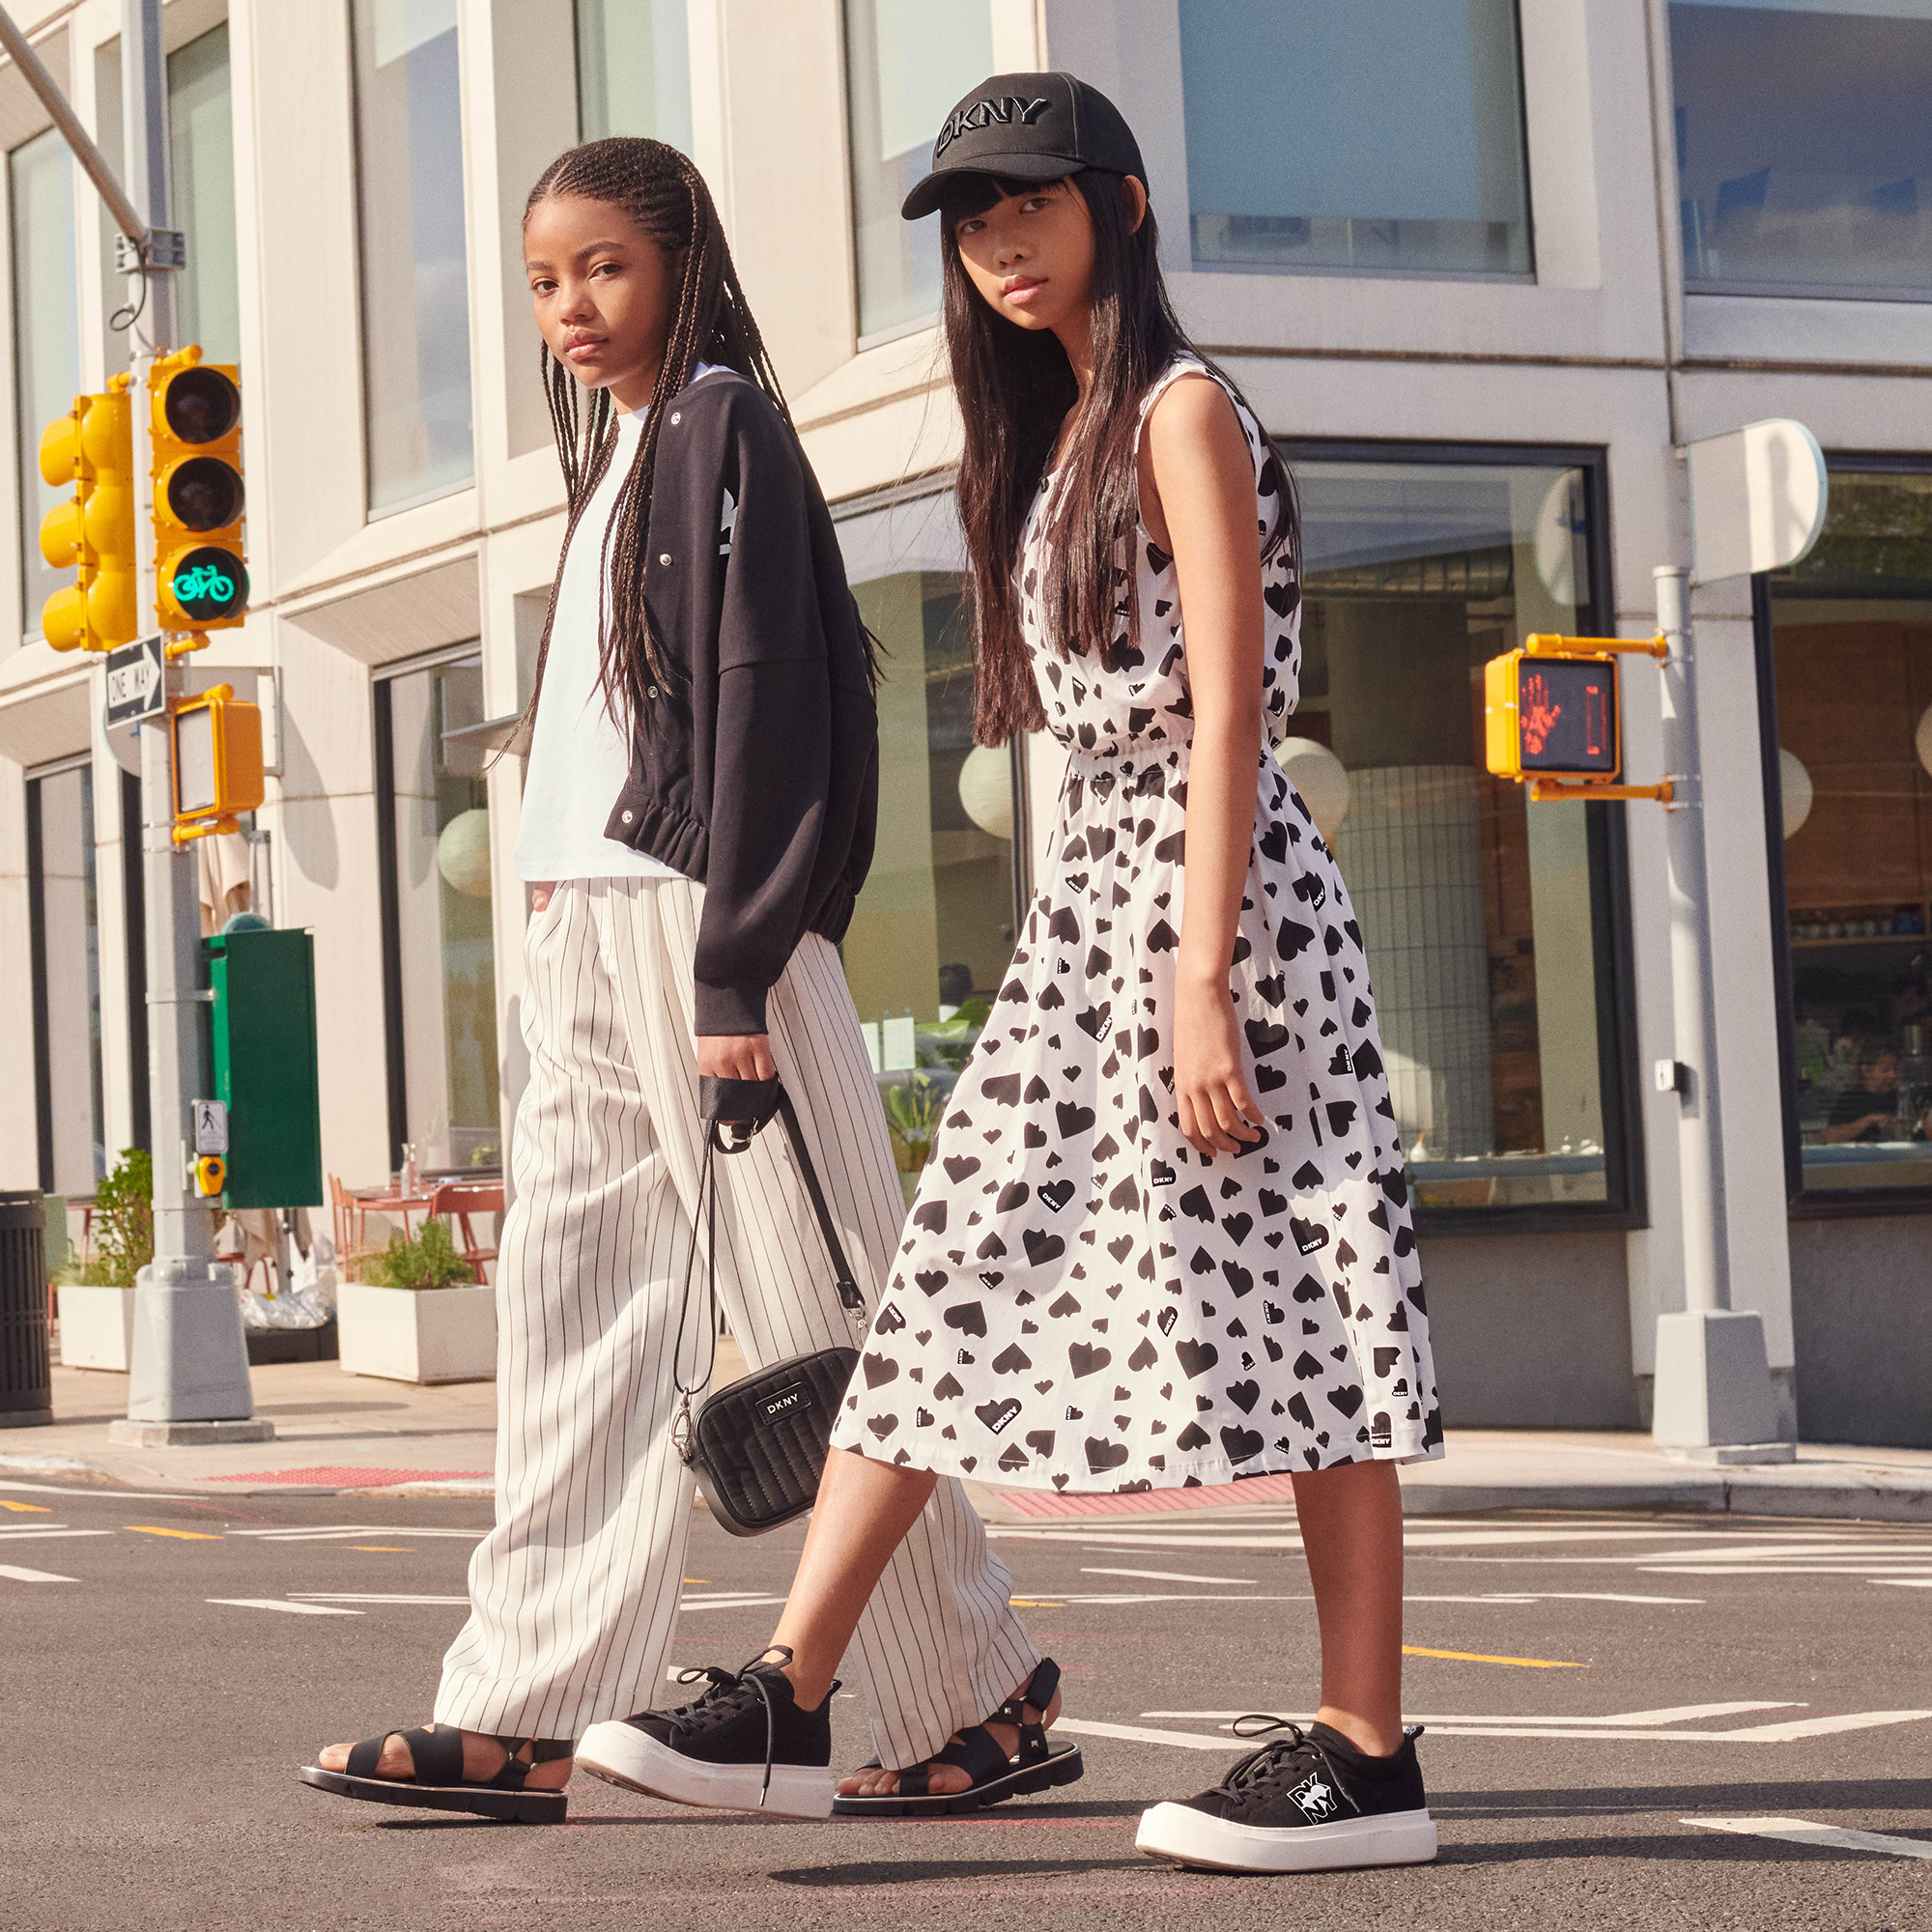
(697,819)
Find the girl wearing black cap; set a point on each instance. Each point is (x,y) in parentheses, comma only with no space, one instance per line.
(1165,1239)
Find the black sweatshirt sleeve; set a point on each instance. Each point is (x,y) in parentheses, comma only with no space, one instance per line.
(772,774)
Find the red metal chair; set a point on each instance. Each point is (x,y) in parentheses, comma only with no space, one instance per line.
(458,1200)
(350,1217)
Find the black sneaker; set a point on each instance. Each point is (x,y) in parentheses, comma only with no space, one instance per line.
(743,1746)
(1307,1801)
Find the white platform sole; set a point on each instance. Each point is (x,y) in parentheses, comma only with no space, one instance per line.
(1191,1837)
(620,1754)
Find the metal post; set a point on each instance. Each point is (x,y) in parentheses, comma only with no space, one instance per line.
(189,1368)
(1712,1393)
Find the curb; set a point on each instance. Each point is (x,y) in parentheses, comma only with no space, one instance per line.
(1714,1494)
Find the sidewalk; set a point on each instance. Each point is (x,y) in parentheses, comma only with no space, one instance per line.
(337,1433)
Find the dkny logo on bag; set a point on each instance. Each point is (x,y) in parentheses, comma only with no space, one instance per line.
(1005,110)
(784,1402)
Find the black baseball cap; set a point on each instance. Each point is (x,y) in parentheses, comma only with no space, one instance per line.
(1028,127)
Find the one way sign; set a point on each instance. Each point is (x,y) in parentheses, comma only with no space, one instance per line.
(136,683)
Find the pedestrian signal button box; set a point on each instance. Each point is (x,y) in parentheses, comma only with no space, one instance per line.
(1553,717)
(218,762)
(263,1056)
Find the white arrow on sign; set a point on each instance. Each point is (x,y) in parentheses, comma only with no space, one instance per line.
(136,684)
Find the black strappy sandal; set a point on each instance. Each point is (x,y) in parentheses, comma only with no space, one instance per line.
(1036,1766)
(437,1782)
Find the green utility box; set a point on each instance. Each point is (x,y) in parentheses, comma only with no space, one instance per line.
(264,1061)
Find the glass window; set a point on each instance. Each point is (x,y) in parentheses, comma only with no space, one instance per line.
(1805,144)
(933,930)
(415,275)
(1852,636)
(66,934)
(906,63)
(442,990)
(1477,908)
(46,340)
(634,69)
(201,156)
(1384,134)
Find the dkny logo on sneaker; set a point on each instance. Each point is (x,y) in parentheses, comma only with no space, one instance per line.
(1315,1799)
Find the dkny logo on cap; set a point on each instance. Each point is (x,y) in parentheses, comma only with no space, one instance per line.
(1001,112)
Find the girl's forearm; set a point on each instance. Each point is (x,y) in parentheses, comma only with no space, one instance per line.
(1222,798)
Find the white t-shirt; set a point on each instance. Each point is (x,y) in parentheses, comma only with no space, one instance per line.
(580,759)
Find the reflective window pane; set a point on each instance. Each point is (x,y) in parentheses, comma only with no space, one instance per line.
(1384,134)
(442,918)
(47,341)
(67,980)
(634,69)
(1805,144)
(1475,906)
(1852,640)
(201,132)
(933,930)
(415,294)
(906,63)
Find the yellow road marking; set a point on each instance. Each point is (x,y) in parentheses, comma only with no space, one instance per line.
(387,1549)
(185,1535)
(1476,1656)
(697,1580)
(1037,1602)
(39,1509)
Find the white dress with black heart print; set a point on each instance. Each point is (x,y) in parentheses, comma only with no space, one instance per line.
(1082,1301)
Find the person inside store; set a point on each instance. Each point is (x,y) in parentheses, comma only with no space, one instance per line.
(1866,1109)
(698,818)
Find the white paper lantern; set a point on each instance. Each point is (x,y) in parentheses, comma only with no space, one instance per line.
(463,853)
(1321,777)
(1796,783)
(1922,738)
(986,789)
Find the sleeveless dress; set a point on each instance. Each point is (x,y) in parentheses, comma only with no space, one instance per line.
(1082,1301)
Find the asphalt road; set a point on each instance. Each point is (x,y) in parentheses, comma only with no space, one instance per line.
(1599,1692)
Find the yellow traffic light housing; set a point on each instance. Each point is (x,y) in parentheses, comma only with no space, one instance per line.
(92,448)
(218,762)
(201,583)
(1553,718)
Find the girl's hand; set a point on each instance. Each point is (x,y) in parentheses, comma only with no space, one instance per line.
(736,1056)
(1218,1115)
(540,891)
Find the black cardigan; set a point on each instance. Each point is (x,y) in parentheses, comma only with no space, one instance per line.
(756,773)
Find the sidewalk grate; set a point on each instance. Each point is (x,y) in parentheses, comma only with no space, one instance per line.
(356,1478)
(1140,1502)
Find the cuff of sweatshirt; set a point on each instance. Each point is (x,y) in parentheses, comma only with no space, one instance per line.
(737,1007)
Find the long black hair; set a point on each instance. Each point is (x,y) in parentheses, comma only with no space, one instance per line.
(1015,387)
(663,192)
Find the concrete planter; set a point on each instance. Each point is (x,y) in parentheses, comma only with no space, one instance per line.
(417,1335)
(97,1327)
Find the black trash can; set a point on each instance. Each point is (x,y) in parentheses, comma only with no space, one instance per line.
(26,1370)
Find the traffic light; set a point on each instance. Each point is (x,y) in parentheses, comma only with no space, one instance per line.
(217,763)
(201,583)
(92,448)
(1553,716)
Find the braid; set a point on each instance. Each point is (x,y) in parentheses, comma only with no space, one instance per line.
(664,193)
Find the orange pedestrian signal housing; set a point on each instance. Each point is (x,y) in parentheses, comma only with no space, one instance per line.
(92,449)
(201,583)
(218,762)
(1553,717)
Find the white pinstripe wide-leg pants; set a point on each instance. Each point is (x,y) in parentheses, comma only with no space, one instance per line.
(574,1593)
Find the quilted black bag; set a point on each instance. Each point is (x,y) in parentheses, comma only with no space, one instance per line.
(757,1448)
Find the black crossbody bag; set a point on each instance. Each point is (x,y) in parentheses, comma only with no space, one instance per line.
(757,1448)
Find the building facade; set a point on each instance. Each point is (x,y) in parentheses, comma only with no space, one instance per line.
(1483,270)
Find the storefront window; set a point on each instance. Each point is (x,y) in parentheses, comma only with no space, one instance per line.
(1805,144)
(47,344)
(201,136)
(66,934)
(906,63)
(415,272)
(1384,134)
(1852,630)
(1478,911)
(634,69)
(438,935)
(933,930)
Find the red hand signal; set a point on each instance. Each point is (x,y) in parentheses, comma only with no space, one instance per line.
(1538,715)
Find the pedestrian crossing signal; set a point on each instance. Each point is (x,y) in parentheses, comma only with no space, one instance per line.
(1553,716)
(201,583)
(217,763)
(91,448)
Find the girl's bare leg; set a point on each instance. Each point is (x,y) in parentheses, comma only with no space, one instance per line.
(1351,1535)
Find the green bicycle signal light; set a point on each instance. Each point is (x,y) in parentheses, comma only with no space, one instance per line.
(201,582)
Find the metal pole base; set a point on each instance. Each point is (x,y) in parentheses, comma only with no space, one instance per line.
(190,1362)
(1713,1389)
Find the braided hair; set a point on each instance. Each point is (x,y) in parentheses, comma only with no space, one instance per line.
(664,193)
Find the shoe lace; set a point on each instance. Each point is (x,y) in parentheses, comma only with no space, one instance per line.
(730,1691)
(1273,1762)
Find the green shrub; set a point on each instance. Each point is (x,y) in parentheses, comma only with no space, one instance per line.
(123,1241)
(429,1261)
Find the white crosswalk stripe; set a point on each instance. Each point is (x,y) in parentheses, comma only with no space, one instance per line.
(19,1574)
(1802,1831)
(283,1604)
